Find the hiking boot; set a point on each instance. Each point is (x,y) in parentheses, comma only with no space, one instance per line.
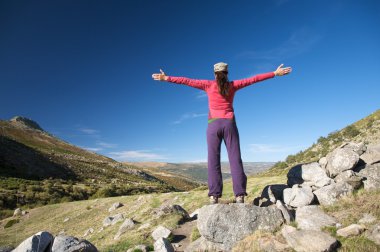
(213,199)
(239,199)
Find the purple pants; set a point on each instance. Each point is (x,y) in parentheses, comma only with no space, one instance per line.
(218,130)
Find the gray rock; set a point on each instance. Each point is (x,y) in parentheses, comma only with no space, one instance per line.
(88,232)
(286,213)
(329,194)
(341,159)
(323,163)
(115,206)
(311,173)
(112,220)
(227,224)
(143,226)
(171,209)
(349,177)
(374,234)
(372,155)
(160,232)
(351,230)
(66,220)
(6,248)
(127,225)
(270,244)
(17,212)
(38,242)
(313,218)
(298,196)
(359,148)
(367,219)
(163,245)
(308,240)
(371,173)
(201,244)
(143,248)
(63,243)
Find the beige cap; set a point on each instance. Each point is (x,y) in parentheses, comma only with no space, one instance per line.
(221,66)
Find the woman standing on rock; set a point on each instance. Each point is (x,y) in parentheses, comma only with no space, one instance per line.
(222,124)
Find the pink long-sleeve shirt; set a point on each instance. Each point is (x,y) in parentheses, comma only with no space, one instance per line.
(220,107)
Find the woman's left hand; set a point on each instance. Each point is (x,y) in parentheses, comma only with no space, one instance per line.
(161,76)
(280,71)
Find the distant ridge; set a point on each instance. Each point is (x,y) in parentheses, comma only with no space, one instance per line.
(25,122)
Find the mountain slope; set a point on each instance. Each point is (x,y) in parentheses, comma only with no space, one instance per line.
(37,168)
(366,130)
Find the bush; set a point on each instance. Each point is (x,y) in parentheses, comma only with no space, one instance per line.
(11,222)
(351,131)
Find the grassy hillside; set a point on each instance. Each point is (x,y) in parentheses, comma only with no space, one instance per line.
(37,168)
(366,130)
(90,214)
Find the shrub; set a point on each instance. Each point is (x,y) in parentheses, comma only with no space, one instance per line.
(11,222)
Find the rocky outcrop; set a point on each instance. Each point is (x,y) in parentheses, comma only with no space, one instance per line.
(340,160)
(310,174)
(25,123)
(298,196)
(227,224)
(313,218)
(308,240)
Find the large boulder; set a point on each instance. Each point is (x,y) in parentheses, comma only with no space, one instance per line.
(312,174)
(359,148)
(372,155)
(40,241)
(341,159)
(227,224)
(308,240)
(63,243)
(329,194)
(298,196)
(350,178)
(288,214)
(371,173)
(313,218)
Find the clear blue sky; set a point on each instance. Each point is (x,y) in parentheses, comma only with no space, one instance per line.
(82,70)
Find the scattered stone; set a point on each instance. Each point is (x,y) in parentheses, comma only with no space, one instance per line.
(349,177)
(313,218)
(367,219)
(70,243)
(40,241)
(202,244)
(115,206)
(161,231)
(163,245)
(298,196)
(143,248)
(341,159)
(227,224)
(143,226)
(112,220)
(127,224)
(351,230)
(374,235)
(371,173)
(100,229)
(372,155)
(311,173)
(308,240)
(329,194)
(286,213)
(171,209)
(66,220)
(88,232)
(17,212)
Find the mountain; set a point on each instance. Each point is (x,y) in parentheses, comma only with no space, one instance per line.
(197,171)
(366,130)
(38,168)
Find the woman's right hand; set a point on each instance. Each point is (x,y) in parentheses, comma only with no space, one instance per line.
(160,76)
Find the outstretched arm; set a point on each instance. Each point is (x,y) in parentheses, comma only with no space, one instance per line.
(200,84)
(280,71)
